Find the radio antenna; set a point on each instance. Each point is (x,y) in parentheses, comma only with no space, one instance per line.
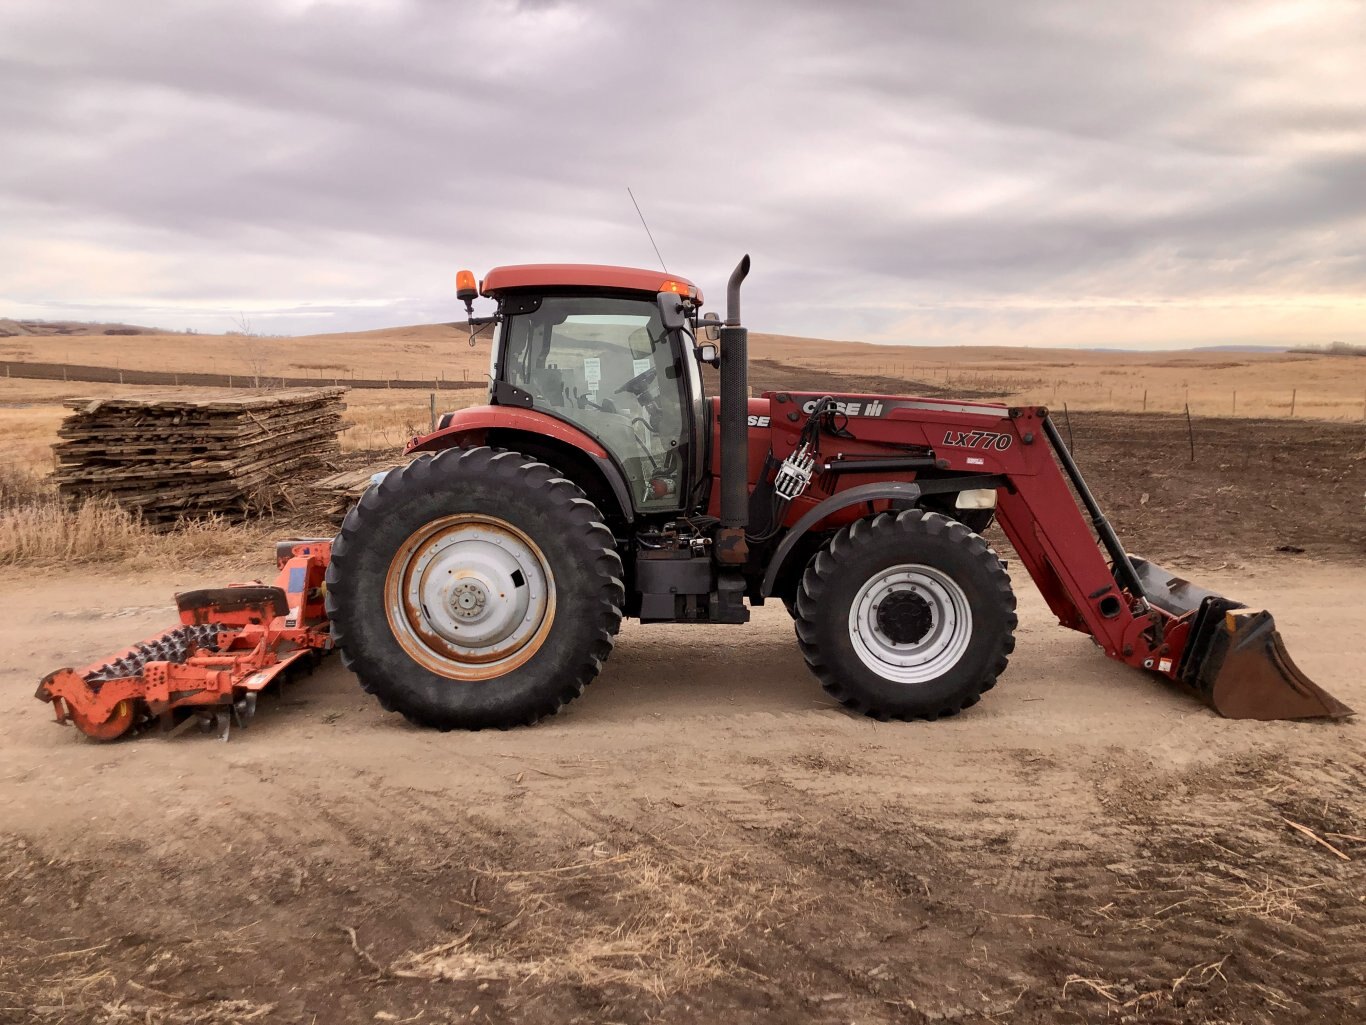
(647,228)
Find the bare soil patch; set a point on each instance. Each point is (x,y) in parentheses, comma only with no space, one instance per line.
(1254,489)
(701,838)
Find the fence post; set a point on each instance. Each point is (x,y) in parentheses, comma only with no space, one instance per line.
(1190,431)
(1067,417)
(433,398)
(1293,391)
(1145,400)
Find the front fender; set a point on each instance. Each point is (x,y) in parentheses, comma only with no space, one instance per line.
(903,491)
(899,491)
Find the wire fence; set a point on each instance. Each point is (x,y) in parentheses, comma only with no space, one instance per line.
(1140,395)
(200,379)
(1021,387)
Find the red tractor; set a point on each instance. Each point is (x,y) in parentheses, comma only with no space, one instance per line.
(483,584)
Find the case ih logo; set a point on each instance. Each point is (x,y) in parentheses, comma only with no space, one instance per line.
(977,439)
(851,407)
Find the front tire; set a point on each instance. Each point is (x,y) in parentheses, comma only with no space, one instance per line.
(474,589)
(906,616)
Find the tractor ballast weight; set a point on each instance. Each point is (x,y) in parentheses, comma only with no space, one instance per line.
(482,584)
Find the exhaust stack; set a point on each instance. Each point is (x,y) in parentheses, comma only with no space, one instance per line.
(731,548)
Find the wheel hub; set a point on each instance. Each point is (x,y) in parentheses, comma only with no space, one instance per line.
(470,596)
(905,617)
(910,623)
(469,599)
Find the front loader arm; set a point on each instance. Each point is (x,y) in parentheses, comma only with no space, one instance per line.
(1138,613)
(1043,519)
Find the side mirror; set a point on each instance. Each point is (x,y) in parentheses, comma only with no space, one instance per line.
(711,325)
(708,352)
(671,311)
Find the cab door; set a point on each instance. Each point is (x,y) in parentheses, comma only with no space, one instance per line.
(606,365)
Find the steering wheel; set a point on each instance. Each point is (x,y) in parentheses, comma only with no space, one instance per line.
(639,384)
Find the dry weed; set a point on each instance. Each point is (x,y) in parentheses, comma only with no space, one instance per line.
(385,420)
(1268,900)
(656,923)
(37,528)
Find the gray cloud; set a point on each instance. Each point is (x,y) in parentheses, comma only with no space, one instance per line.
(924,171)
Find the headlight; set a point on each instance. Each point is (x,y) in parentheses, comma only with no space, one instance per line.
(978,499)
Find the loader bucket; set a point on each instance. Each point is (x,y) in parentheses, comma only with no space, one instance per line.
(1234,658)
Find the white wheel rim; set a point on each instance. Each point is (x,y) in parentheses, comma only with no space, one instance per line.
(470,597)
(933,654)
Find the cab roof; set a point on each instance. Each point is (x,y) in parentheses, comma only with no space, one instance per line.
(585,275)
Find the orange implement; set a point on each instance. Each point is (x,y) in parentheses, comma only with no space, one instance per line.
(231,643)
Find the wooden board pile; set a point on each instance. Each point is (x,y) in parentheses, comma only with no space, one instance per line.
(198,454)
(342,490)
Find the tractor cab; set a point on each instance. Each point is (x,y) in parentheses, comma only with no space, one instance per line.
(590,345)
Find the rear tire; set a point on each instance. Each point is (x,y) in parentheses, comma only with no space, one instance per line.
(906,616)
(474,589)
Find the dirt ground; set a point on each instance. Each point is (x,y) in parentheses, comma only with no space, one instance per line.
(701,838)
(1251,489)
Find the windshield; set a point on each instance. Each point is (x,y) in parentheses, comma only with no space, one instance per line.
(606,365)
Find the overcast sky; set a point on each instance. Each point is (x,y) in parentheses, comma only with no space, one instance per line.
(1163,172)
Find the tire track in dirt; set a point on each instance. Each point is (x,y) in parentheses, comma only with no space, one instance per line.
(1219,898)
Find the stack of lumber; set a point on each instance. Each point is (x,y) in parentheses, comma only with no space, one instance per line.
(341,491)
(197,454)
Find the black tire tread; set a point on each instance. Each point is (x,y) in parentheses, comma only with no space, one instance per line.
(582,524)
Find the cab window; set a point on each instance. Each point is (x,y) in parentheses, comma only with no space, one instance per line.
(606,366)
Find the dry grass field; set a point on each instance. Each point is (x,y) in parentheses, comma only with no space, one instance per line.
(1214,383)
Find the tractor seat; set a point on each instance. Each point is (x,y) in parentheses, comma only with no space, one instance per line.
(548,383)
